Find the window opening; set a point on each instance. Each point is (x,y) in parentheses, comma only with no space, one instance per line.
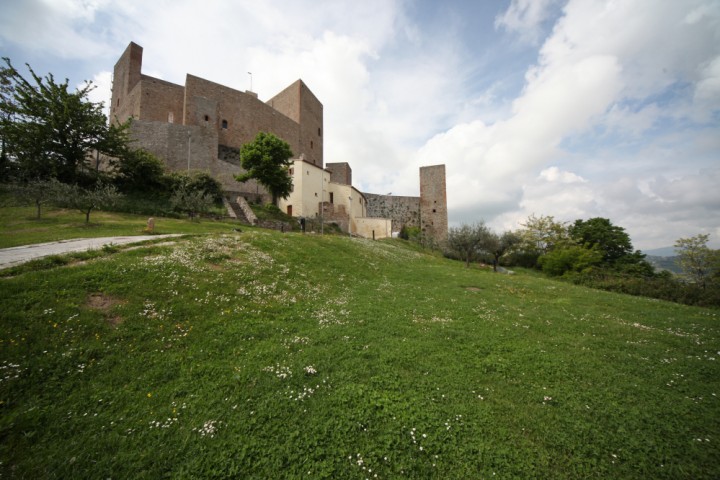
(224,124)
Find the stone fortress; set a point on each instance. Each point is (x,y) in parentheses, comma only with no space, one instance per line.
(202,125)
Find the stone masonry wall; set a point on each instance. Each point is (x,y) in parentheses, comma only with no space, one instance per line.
(433,202)
(237,117)
(340,173)
(401,210)
(160,101)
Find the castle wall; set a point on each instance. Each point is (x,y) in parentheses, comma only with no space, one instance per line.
(340,173)
(403,211)
(433,202)
(376,228)
(126,76)
(237,117)
(298,103)
(160,101)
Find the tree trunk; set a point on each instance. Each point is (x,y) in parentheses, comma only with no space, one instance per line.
(37,202)
(87,216)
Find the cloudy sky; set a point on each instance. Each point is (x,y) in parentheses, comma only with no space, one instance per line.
(569,108)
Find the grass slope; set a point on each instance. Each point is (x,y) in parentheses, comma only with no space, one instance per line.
(262,355)
(18,225)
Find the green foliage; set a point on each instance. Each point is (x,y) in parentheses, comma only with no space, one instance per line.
(469,241)
(699,263)
(410,233)
(570,259)
(86,200)
(542,234)
(197,181)
(34,192)
(610,239)
(190,201)
(48,131)
(139,171)
(267,159)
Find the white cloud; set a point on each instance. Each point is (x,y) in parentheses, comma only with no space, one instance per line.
(525,17)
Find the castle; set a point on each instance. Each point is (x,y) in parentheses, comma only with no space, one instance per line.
(202,125)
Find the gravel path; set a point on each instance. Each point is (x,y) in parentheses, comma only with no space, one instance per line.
(9,257)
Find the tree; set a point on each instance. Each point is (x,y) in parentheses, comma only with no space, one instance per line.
(6,103)
(192,202)
(698,262)
(139,170)
(468,240)
(34,192)
(573,258)
(267,159)
(543,234)
(611,240)
(87,200)
(49,131)
(500,245)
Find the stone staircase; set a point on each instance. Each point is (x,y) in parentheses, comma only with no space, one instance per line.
(239,208)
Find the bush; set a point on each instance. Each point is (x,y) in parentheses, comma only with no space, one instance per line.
(569,259)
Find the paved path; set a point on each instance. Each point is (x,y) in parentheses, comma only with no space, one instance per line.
(9,257)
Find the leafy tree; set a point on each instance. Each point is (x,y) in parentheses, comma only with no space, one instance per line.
(6,102)
(197,181)
(34,192)
(87,200)
(598,232)
(543,234)
(698,262)
(573,258)
(50,131)
(139,170)
(267,159)
(192,202)
(499,245)
(467,241)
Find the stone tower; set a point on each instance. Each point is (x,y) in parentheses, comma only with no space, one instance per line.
(433,203)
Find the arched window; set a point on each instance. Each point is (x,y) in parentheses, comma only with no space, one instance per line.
(224,124)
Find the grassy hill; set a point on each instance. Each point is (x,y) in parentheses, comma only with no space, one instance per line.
(269,355)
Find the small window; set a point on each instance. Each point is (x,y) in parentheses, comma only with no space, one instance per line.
(316,194)
(433,210)
(319,133)
(331,197)
(207,118)
(224,124)
(308,172)
(311,144)
(292,171)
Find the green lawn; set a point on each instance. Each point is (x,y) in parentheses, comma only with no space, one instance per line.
(263,355)
(19,225)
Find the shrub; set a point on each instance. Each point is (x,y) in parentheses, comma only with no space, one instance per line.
(569,259)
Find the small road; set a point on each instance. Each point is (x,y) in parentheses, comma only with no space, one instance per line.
(9,257)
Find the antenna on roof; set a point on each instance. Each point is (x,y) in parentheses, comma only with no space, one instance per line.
(250,73)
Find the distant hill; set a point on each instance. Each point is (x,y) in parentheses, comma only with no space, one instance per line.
(661,252)
(664,263)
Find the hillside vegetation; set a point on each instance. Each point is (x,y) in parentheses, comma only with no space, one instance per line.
(268,355)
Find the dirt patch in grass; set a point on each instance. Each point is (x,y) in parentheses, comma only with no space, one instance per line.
(103,303)
(473,289)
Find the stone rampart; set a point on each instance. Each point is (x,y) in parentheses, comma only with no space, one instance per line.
(403,211)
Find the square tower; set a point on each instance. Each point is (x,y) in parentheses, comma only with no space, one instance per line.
(433,203)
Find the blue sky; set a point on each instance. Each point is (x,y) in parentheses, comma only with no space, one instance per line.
(569,108)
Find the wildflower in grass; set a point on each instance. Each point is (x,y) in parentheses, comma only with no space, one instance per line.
(310,370)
